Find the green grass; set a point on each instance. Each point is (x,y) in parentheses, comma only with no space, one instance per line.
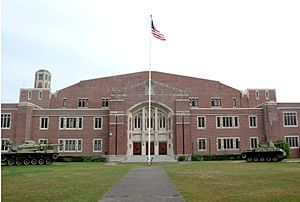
(197,181)
(60,181)
(236,181)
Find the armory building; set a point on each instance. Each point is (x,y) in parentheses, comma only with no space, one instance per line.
(109,116)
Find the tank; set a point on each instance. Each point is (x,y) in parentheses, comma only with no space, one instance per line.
(29,153)
(264,153)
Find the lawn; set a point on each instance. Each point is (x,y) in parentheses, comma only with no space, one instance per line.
(236,181)
(197,181)
(60,181)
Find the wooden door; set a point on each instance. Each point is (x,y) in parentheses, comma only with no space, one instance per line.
(163,148)
(137,148)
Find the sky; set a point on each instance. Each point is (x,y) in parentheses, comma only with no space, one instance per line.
(243,44)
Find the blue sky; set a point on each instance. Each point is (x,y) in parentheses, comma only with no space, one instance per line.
(243,44)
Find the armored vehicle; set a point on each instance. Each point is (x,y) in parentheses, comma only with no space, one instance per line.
(29,152)
(264,153)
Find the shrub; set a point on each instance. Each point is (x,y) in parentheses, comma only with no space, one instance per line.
(66,159)
(93,159)
(181,158)
(197,157)
(221,157)
(81,159)
(284,146)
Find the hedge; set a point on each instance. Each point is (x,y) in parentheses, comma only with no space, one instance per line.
(81,159)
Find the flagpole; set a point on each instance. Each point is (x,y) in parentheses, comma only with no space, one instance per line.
(149,98)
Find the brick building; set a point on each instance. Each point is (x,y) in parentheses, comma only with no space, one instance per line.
(109,116)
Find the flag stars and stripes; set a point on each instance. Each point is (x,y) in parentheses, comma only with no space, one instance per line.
(157,33)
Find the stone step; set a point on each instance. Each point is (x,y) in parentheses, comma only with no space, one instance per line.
(155,158)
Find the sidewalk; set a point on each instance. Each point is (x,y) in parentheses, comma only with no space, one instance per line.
(144,184)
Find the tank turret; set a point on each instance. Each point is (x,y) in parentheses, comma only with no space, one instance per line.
(29,152)
(264,153)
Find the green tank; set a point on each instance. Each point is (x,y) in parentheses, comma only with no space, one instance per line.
(28,153)
(264,153)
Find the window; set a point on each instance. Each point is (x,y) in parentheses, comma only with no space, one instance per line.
(152,122)
(97,122)
(105,102)
(194,101)
(40,94)
(201,143)
(257,94)
(64,102)
(293,141)
(44,123)
(290,119)
(29,95)
(253,142)
(162,121)
(137,121)
(70,145)
(215,102)
(5,121)
(201,121)
(97,145)
(41,76)
(43,141)
(70,123)
(267,94)
(252,121)
(227,121)
(234,102)
(83,102)
(4,141)
(231,143)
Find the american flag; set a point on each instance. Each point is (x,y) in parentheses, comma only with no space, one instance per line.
(157,33)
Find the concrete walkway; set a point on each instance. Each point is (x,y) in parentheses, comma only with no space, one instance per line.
(144,184)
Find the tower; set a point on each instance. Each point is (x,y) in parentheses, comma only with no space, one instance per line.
(42,79)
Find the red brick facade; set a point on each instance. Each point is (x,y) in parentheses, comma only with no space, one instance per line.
(108,116)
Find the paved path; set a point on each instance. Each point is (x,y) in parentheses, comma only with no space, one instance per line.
(144,184)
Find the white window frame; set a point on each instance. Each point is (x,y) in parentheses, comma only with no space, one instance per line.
(2,142)
(234,123)
(162,121)
(249,119)
(283,119)
(201,127)
(297,142)
(101,123)
(65,123)
(250,142)
(257,94)
(105,102)
(234,102)
(64,103)
(43,141)
(83,102)
(7,122)
(194,102)
(101,145)
(233,143)
(267,94)
(40,96)
(62,148)
(205,144)
(29,95)
(41,123)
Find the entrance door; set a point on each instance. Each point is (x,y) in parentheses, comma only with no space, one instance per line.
(162,148)
(137,148)
(151,148)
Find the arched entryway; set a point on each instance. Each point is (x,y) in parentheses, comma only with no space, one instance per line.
(161,130)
